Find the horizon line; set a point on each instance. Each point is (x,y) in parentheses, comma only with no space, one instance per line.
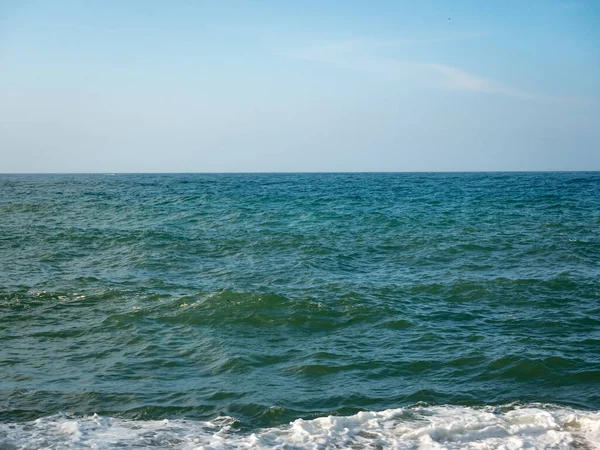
(302,172)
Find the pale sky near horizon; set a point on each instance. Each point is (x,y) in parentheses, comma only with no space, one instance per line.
(286,86)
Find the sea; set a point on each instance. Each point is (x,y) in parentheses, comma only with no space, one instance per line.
(300,311)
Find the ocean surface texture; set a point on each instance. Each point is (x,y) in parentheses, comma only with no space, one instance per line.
(300,311)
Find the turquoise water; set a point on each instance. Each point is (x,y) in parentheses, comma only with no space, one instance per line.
(238,304)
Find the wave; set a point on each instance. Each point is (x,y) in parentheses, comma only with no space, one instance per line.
(533,426)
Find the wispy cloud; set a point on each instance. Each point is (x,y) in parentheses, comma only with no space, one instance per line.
(458,79)
(360,54)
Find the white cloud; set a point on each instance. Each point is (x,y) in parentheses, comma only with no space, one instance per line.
(458,79)
(358,54)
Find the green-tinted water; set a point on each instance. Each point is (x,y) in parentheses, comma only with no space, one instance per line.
(268,298)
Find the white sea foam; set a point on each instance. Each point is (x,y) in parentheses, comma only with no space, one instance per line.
(444,427)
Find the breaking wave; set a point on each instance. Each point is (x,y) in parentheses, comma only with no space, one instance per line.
(533,426)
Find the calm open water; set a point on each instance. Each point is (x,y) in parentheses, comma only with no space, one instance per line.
(300,311)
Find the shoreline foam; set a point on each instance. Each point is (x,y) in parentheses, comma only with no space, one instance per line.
(534,426)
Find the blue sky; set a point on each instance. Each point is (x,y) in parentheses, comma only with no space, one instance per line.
(260,86)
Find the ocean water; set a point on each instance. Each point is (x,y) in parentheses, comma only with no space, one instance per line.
(299,311)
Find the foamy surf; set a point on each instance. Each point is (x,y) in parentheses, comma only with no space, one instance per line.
(442,427)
